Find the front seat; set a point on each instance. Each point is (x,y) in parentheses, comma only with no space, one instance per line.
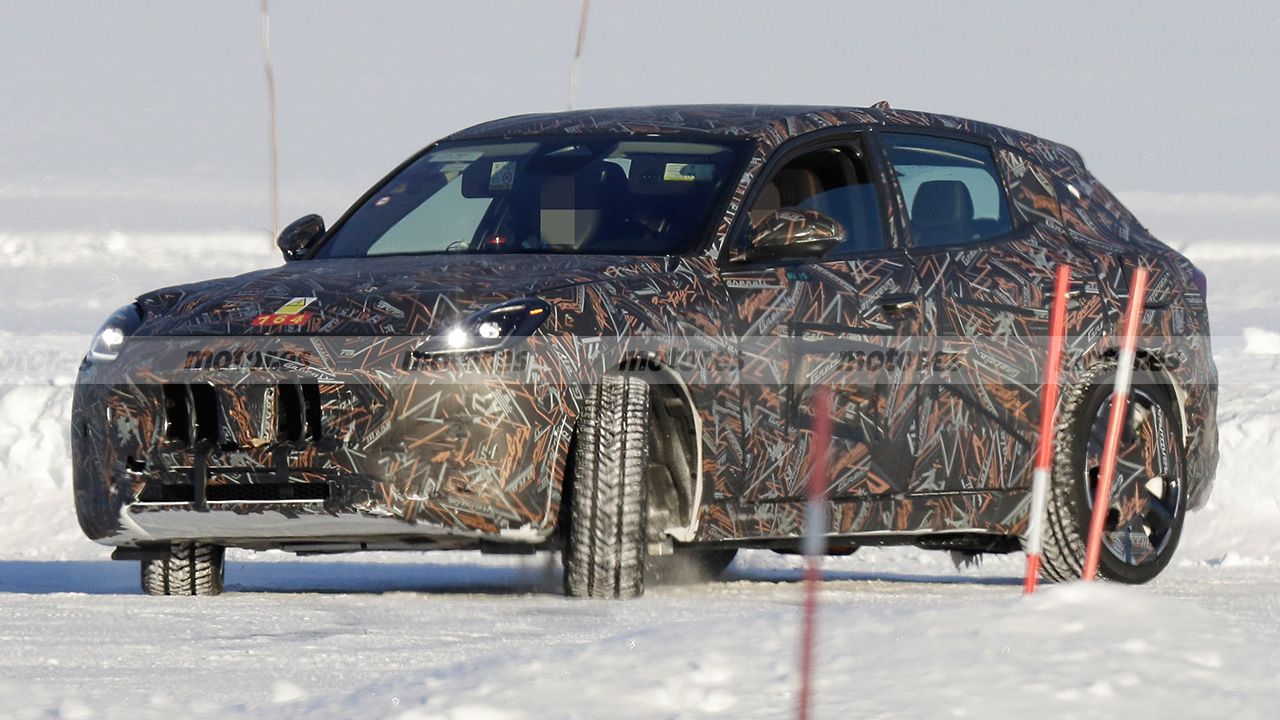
(588,207)
(796,185)
(615,228)
(941,213)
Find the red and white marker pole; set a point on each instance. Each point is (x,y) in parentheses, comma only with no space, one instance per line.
(1116,420)
(1048,406)
(815,539)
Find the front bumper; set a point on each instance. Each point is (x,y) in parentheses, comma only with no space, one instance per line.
(357,458)
(298,529)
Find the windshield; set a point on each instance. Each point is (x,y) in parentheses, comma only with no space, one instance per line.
(605,196)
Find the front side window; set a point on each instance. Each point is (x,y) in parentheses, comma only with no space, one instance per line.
(544,195)
(835,181)
(952,189)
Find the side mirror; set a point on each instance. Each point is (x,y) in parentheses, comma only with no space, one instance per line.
(295,240)
(793,232)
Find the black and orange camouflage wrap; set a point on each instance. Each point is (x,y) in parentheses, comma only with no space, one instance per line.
(327,428)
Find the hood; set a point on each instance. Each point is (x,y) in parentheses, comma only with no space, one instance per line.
(394,295)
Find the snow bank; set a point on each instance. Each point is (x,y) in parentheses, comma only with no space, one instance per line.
(1210,224)
(1242,519)
(58,290)
(35,476)
(1261,342)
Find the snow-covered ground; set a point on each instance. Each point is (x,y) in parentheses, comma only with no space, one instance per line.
(904,634)
(900,638)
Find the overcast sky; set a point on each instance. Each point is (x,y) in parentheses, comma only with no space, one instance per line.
(152,115)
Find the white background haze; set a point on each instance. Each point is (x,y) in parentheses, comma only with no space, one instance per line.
(152,115)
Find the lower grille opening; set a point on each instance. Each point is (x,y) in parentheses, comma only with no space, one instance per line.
(204,412)
(311,410)
(177,414)
(239,492)
(191,414)
(290,414)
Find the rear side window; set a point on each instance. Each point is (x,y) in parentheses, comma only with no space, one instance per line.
(952,189)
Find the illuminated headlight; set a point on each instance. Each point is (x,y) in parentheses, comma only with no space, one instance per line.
(490,329)
(457,339)
(110,338)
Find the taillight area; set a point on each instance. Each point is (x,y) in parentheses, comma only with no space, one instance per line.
(1201,282)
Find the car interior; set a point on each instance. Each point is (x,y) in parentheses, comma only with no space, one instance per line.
(951,187)
(834,181)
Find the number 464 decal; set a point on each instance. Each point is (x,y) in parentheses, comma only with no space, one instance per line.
(291,313)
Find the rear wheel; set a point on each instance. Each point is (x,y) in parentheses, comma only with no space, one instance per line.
(604,552)
(1148,493)
(189,569)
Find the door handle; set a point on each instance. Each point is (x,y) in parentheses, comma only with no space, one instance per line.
(898,303)
(1074,289)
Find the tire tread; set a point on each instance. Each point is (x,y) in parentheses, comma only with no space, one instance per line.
(606,547)
(190,569)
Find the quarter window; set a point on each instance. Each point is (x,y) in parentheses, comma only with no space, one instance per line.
(952,189)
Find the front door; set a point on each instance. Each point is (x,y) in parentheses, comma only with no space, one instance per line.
(847,318)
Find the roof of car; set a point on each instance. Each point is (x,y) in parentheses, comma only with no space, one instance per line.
(768,124)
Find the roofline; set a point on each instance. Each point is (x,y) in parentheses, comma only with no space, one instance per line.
(741,119)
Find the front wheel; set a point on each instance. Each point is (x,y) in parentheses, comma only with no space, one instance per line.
(189,569)
(604,552)
(1148,493)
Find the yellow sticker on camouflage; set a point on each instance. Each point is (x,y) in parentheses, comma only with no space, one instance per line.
(295,306)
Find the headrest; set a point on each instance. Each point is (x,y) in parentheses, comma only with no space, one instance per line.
(766,202)
(795,185)
(769,198)
(940,203)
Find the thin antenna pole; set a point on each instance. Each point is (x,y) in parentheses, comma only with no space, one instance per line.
(271,118)
(577,53)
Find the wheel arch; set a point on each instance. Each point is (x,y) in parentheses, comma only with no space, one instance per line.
(1152,362)
(682,460)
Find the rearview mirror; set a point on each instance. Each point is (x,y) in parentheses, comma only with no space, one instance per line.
(792,232)
(295,240)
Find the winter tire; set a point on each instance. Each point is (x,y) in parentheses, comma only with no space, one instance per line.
(606,545)
(190,569)
(1148,494)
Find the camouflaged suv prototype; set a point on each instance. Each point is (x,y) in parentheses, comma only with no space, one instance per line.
(599,332)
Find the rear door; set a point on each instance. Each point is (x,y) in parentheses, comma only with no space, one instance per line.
(986,270)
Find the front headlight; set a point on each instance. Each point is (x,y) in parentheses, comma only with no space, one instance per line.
(490,329)
(110,338)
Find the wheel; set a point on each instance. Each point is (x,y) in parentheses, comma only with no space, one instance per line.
(190,569)
(1148,494)
(690,565)
(605,546)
